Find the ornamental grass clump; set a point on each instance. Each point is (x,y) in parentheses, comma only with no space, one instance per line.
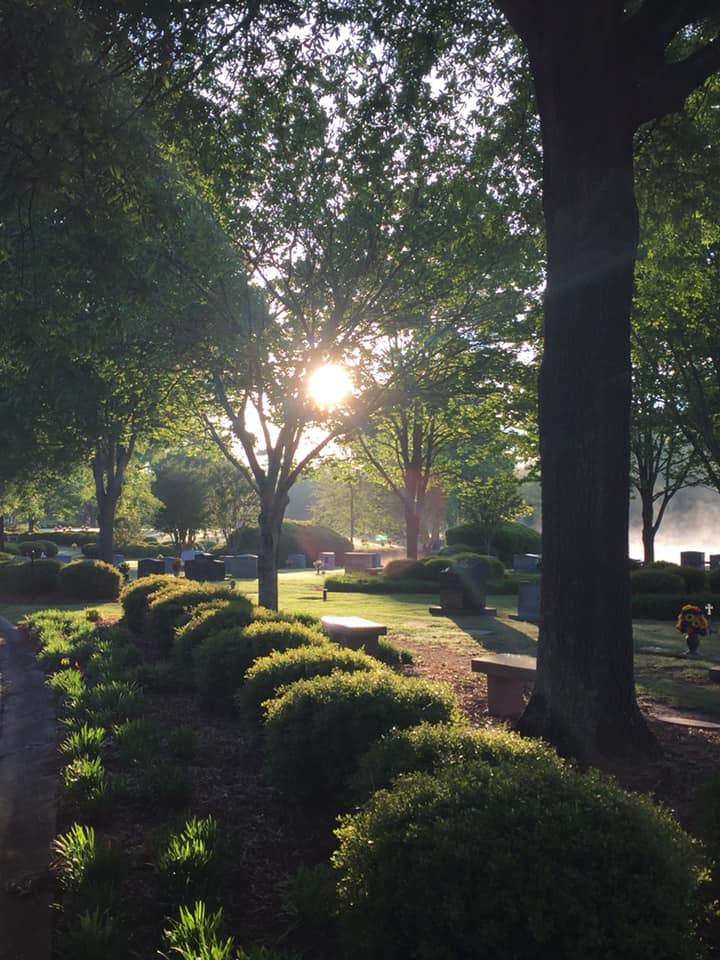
(317,730)
(85,741)
(427,747)
(515,860)
(189,865)
(220,663)
(88,870)
(268,674)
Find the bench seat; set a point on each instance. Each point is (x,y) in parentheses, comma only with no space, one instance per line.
(508,675)
(354,632)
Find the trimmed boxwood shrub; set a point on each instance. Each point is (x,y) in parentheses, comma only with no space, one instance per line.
(30,578)
(398,568)
(515,860)
(655,581)
(221,662)
(208,619)
(136,551)
(427,747)
(135,598)
(360,583)
(510,537)
(89,580)
(268,674)
(659,606)
(38,546)
(65,538)
(692,577)
(296,536)
(317,730)
(173,605)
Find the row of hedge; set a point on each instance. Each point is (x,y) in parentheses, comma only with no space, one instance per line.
(81,580)
(461,841)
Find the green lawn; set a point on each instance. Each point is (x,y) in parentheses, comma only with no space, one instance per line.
(664,677)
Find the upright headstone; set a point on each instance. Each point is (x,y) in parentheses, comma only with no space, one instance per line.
(526,562)
(297,561)
(205,566)
(529,601)
(149,566)
(328,560)
(693,558)
(244,566)
(714,561)
(463,586)
(357,562)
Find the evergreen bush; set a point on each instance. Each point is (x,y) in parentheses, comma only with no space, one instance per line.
(135,598)
(427,747)
(32,578)
(648,580)
(317,730)
(37,547)
(207,619)
(173,605)
(515,860)
(659,606)
(89,580)
(296,536)
(221,662)
(268,674)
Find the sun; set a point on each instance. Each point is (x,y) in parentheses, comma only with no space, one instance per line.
(329,385)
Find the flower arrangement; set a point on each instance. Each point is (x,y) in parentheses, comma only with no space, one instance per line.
(693,623)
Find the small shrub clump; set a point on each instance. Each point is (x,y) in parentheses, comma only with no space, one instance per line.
(89,580)
(173,606)
(36,578)
(648,580)
(317,730)
(220,663)
(135,598)
(515,861)
(268,674)
(207,619)
(427,747)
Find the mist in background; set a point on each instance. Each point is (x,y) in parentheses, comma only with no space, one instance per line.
(691,522)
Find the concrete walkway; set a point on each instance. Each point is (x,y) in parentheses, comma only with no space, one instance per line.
(28,777)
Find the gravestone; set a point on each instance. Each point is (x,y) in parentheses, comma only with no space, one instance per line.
(714,561)
(118,558)
(463,586)
(149,566)
(243,566)
(297,561)
(205,566)
(356,562)
(526,562)
(169,564)
(328,560)
(693,558)
(529,601)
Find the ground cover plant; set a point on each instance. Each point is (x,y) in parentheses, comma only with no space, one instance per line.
(274,855)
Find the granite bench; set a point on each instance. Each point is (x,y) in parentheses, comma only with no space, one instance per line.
(508,676)
(354,632)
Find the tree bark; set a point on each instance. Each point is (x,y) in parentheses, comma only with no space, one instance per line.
(109,467)
(412,531)
(648,529)
(2,531)
(272,511)
(584,696)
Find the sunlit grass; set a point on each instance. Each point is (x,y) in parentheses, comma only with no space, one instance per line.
(667,677)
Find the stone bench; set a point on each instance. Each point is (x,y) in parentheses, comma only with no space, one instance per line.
(508,675)
(354,632)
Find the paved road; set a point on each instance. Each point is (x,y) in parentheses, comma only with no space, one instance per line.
(28,777)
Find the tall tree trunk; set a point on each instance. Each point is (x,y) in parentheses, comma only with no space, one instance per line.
(109,467)
(648,529)
(584,696)
(412,531)
(2,531)
(272,511)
